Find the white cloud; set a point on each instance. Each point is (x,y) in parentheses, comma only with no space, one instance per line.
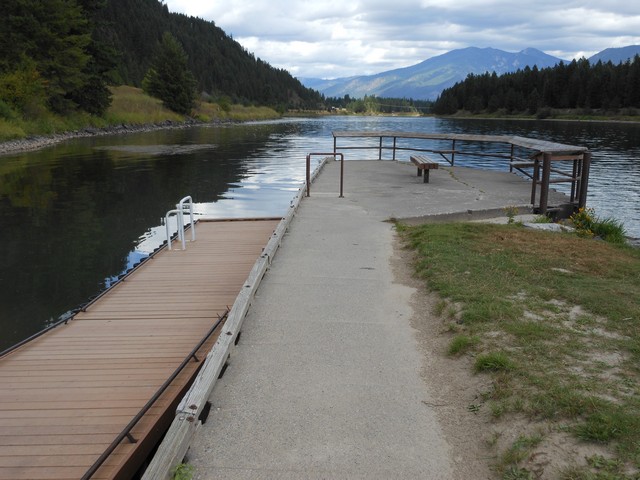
(337,39)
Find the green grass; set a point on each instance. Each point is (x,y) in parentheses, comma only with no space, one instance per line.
(610,230)
(598,468)
(130,106)
(47,124)
(461,344)
(493,362)
(555,320)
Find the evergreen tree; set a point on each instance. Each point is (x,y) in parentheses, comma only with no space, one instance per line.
(53,33)
(94,95)
(169,79)
(56,36)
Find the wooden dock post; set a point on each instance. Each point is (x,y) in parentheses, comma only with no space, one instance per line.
(546,174)
(584,180)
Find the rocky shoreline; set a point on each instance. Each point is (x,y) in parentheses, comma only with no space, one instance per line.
(40,141)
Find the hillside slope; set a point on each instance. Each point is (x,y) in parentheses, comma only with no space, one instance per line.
(220,65)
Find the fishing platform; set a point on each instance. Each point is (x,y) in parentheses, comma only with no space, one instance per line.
(543,162)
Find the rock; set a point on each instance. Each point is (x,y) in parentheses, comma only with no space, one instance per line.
(549,227)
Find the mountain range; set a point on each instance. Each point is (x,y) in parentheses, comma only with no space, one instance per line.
(427,79)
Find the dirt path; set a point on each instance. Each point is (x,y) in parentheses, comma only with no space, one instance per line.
(454,388)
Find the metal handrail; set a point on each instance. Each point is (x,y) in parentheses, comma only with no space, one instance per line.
(181,206)
(126,432)
(332,154)
(179,213)
(179,220)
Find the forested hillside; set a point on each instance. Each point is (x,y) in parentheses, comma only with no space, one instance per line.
(60,56)
(574,85)
(221,66)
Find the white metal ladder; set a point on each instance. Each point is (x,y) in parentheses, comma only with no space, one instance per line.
(186,204)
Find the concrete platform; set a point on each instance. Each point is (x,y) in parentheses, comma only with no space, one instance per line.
(325,381)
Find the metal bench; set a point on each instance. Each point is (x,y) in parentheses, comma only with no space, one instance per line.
(423,163)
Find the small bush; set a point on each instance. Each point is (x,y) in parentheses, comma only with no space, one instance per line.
(610,230)
(582,221)
(588,225)
(183,471)
(6,111)
(23,89)
(511,213)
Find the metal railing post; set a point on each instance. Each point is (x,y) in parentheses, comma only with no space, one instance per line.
(308,176)
(453,152)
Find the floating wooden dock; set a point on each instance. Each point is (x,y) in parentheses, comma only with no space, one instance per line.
(69,394)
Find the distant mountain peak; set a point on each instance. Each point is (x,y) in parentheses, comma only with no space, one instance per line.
(428,78)
(616,55)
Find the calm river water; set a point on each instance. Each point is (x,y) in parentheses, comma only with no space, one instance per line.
(74,216)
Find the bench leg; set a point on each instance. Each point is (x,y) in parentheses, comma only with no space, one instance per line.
(426,176)
(419,172)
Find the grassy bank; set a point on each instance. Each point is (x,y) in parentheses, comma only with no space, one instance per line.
(130,106)
(554,320)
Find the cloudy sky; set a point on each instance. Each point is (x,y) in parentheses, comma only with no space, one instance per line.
(340,38)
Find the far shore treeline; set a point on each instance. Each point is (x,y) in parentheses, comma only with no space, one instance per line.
(580,86)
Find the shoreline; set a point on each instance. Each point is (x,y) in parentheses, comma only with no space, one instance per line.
(36,142)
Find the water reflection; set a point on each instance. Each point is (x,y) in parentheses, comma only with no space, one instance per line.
(74,216)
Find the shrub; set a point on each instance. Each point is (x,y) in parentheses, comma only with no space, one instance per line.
(23,89)
(6,111)
(610,230)
(588,225)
